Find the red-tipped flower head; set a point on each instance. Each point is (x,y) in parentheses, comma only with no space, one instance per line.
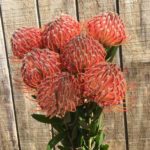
(59,32)
(59,94)
(104,83)
(82,52)
(24,40)
(39,64)
(107,28)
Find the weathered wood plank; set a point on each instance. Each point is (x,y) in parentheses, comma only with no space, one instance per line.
(8,132)
(88,9)
(114,122)
(51,9)
(136,57)
(33,135)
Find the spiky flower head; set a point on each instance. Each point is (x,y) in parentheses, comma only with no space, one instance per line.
(81,52)
(59,94)
(24,40)
(104,83)
(39,64)
(59,32)
(107,28)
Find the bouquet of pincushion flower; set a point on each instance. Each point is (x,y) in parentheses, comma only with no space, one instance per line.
(72,74)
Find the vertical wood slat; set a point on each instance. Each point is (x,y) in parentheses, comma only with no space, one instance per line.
(124,101)
(49,10)
(114,122)
(33,135)
(8,131)
(136,57)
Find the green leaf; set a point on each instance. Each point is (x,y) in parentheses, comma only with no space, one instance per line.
(41,118)
(44,119)
(83,144)
(80,148)
(97,112)
(107,49)
(61,147)
(100,121)
(55,140)
(96,124)
(104,147)
(83,125)
(100,138)
(94,128)
(56,122)
(111,52)
(33,96)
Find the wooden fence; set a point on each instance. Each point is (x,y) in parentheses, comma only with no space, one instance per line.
(125,131)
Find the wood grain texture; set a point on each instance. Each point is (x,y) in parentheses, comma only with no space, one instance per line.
(8,132)
(33,135)
(113,121)
(136,57)
(49,10)
(88,8)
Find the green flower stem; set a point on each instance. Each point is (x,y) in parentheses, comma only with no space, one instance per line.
(69,137)
(79,130)
(90,147)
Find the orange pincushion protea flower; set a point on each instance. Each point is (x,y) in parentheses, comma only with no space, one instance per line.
(39,64)
(59,32)
(59,94)
(105,84)
(81,52)
(108,28)
(24,40)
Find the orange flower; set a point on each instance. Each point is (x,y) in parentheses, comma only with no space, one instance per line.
(59,32)
(107,28)
(82,52)
(59,94)
(39,64)
(24,40)
(105,84)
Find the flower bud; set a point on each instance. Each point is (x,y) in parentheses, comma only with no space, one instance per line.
(59,32)
(104,84)
(59,94)
(82,52)
(107,28)
(39,64)
(25,40)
